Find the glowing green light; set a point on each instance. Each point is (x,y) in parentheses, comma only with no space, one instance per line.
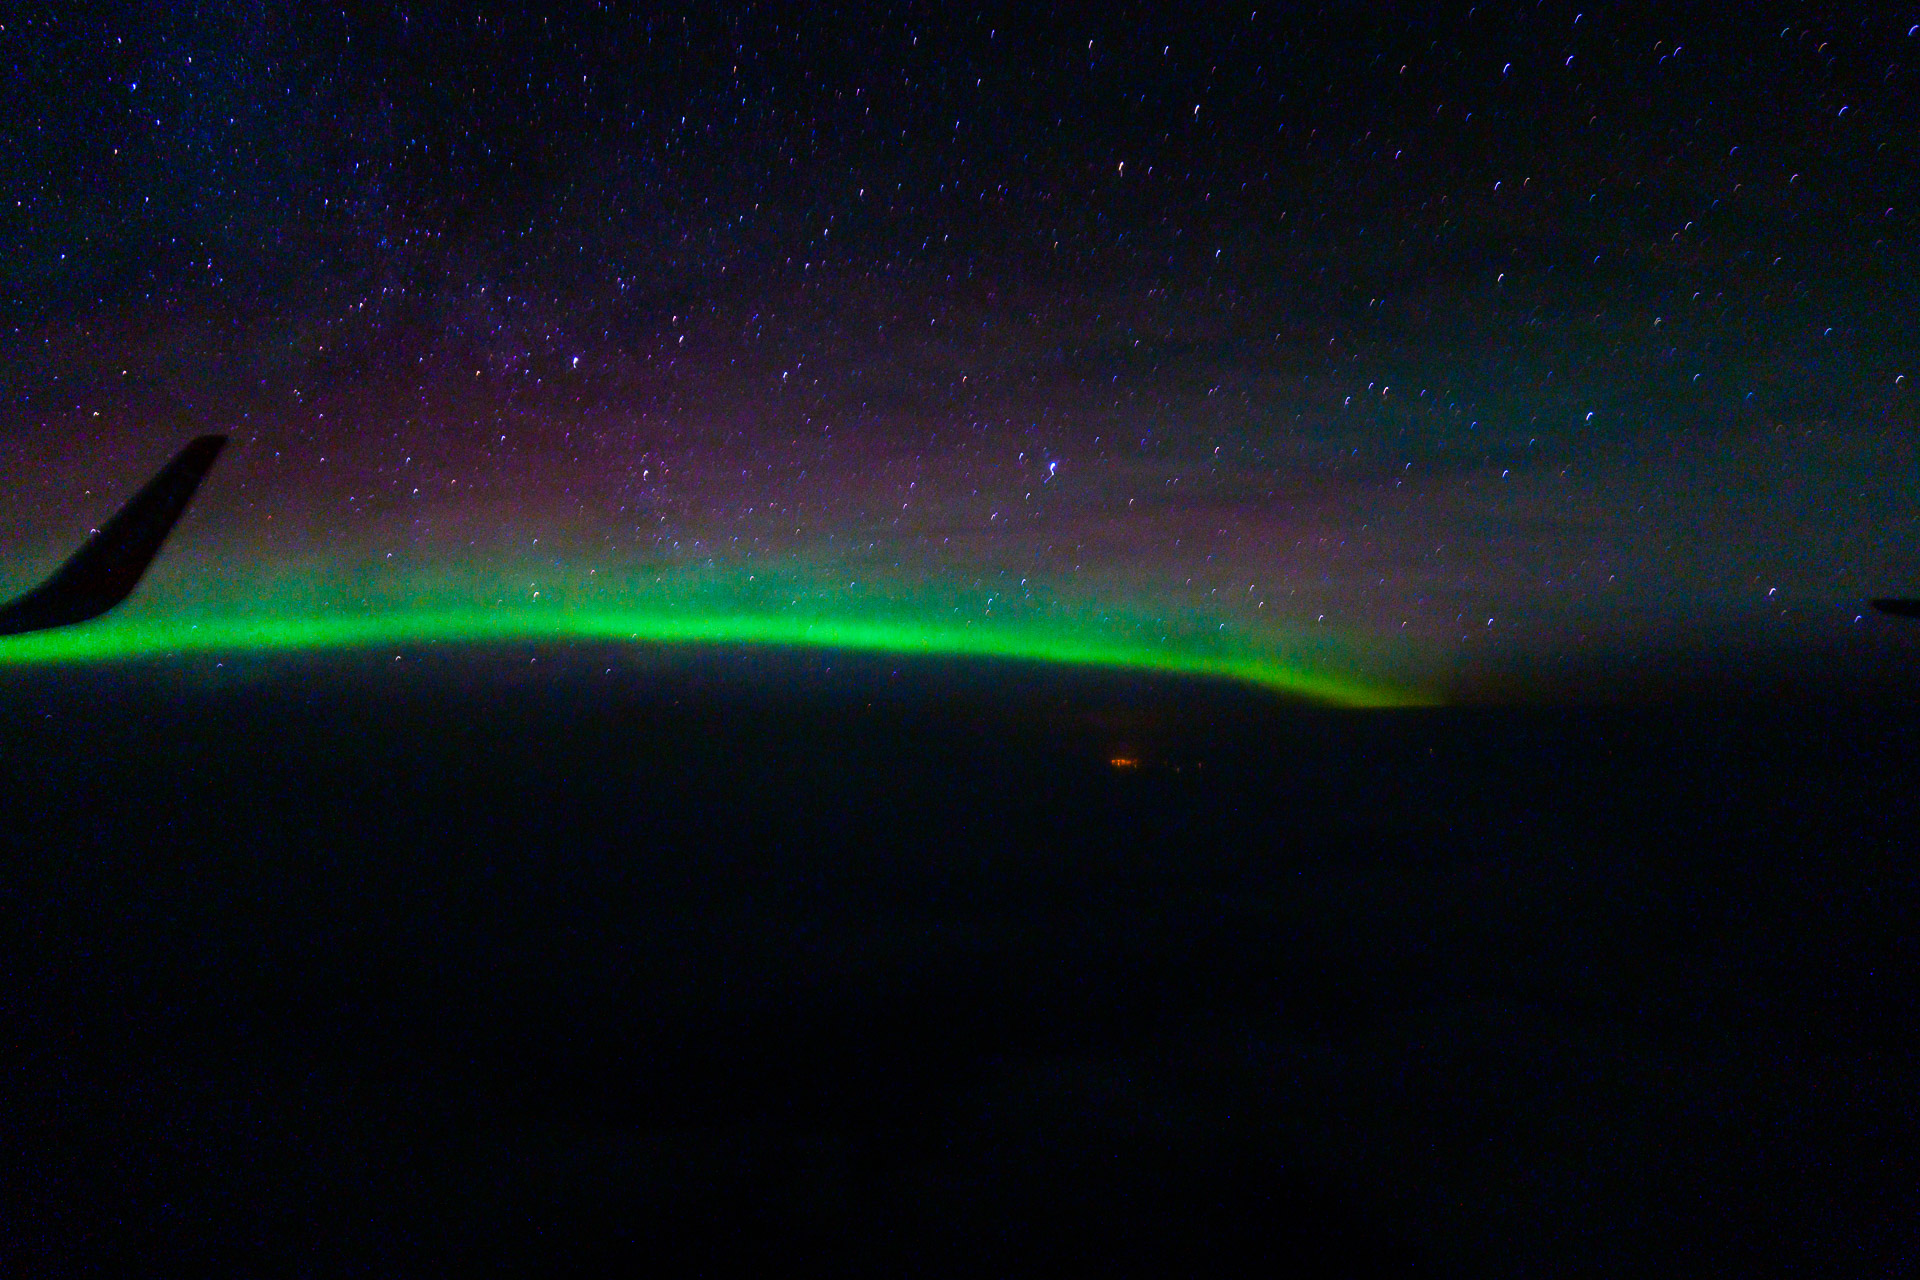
(1029,638)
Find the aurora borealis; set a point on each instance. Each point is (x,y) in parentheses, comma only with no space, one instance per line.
(1283,347)
(1277,673)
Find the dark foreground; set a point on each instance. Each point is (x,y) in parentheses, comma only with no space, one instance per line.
(449,966)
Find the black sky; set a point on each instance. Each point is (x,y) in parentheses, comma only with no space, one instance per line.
(1584,317)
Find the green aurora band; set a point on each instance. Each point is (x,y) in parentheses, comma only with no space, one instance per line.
(1047,636)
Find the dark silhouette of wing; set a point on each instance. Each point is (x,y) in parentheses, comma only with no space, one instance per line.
(105,570)
(1899,608)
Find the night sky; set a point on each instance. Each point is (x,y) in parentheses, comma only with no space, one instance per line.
(1383,352)
(760,684)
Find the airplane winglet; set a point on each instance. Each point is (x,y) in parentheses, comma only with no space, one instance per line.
(1899,608)
(107,567)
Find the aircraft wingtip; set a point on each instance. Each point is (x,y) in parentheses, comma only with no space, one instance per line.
(107,567)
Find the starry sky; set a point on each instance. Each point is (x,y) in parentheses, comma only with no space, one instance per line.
(1381,352)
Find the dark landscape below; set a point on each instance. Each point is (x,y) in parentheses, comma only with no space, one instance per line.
(466,963)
